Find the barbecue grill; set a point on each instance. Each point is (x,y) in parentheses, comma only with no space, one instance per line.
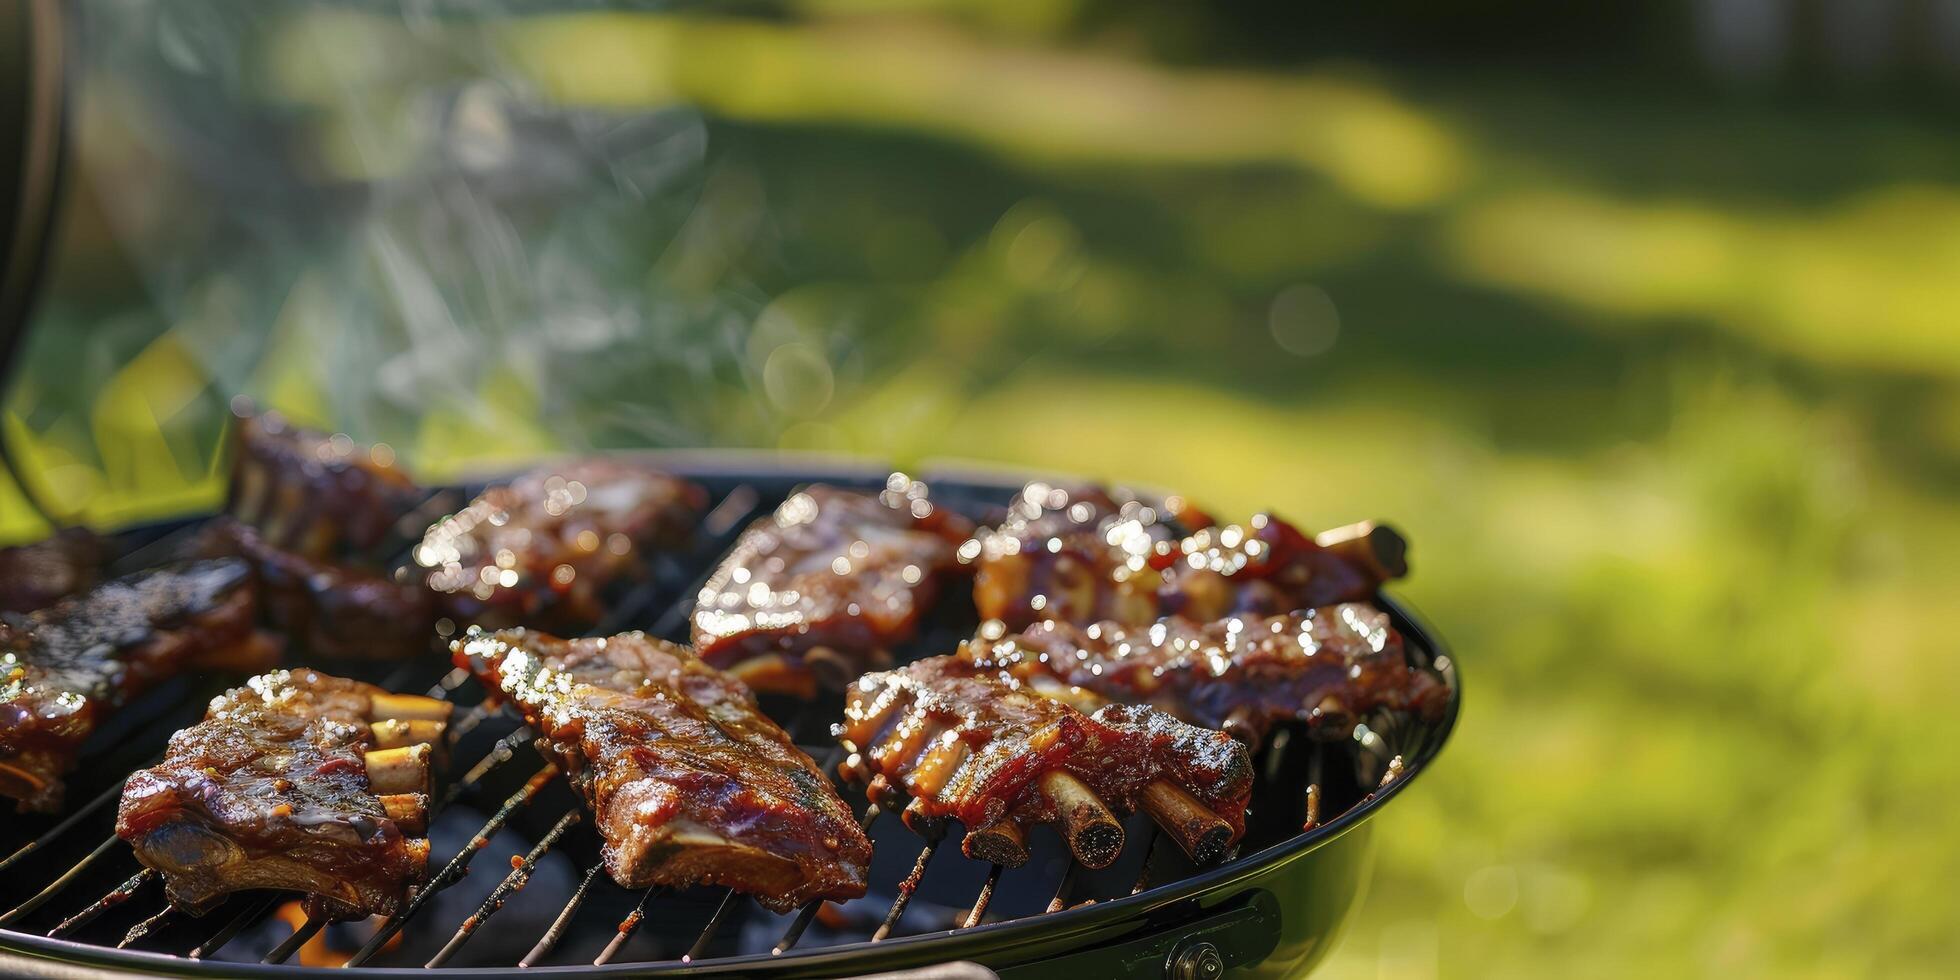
(516,884)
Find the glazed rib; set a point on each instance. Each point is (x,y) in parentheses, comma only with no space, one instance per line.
(950,740)
(1081,555)
(333,610)
(321,496)
(313,514)
(1268,566)
(548,548)
(297,781)
(821,589)
(63,669)
(35,575)
(689,781)
(1076,554)
(1325,668)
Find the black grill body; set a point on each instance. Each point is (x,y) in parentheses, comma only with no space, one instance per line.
(1275,909)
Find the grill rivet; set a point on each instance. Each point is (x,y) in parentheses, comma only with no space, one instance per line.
(1198,961)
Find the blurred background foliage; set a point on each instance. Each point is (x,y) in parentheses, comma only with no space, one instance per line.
(1643,320)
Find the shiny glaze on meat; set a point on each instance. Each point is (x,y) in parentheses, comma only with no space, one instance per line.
(545,549)
(840,570)
(322,496)
(1264,567)
(690,782)
(66,667)
(898,724)
(270,790)
(1325,668)
(35,575)
(1076,554)
(316,514)
(334,610)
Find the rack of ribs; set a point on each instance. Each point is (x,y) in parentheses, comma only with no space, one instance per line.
(64,668)
(689,781)
(1324,668)
(316,494)
(313,514)
(1270,566)
(949,740)
(37,574)
(820,590)
(296,781)
(334,610)
(548,548)
(1076,554)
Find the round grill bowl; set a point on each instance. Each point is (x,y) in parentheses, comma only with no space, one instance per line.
(1276,909)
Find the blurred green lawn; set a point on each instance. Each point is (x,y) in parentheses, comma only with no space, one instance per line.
(1662,388)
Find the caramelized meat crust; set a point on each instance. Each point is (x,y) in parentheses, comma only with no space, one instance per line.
(334,610)
(1267,567)
(322,496)
(35,575)
(66,667)
(1082,556)
(822,588)
(1325,668)
(273,790)
(689,781)
(1077,554)
(315,515)
(951,740)
(548,548)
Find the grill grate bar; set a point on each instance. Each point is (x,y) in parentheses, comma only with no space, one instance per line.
(449,683)
(500,753)
(797,926)
(563,922)
(454,870)
(905,890)
(700,947)
(247,916)
(145,927)
(982,900)
(1062,890)
(67,824)
(55,887)
(520,875)
(809,910)
(627,927)
(726,520)
(468,722)
(117,895)
(1149,850)
(306,931)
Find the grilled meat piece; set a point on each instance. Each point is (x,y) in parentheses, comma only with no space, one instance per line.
(336,611)
(819,590)
(66,667)
(314,514)
(1076,554)
(689,781)
(1084,556)
(285,785)
(35,575)
(977,746)
(548,548)
(1270,566)
(1325,668)
(322,496)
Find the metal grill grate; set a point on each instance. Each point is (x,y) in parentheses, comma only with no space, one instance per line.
(554,906)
